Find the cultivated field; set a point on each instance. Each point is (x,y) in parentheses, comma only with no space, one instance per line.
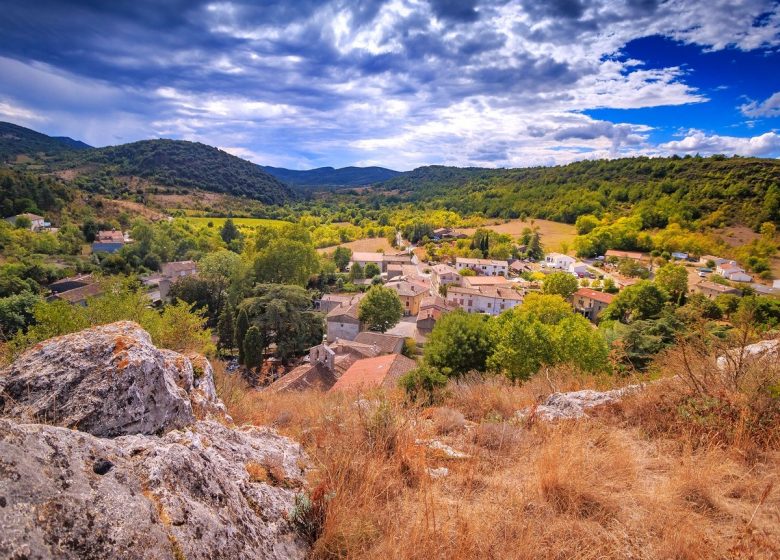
(553,233)
(371,244)
(248,223)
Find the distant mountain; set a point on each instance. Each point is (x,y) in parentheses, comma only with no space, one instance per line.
(330,177)
(17,140)
(179,163)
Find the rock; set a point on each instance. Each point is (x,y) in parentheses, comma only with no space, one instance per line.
(565,406)
(188,494)
(439,472)
(442,449)
(107,381)
(128,471)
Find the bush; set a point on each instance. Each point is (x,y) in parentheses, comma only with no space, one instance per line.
(423,384)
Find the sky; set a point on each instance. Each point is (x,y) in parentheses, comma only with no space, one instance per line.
(400,83)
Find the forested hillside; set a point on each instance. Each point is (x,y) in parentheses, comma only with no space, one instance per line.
(330,177)
(713,191)
(181,164)
(16,140)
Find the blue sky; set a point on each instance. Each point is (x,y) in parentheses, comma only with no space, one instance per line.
(401,83)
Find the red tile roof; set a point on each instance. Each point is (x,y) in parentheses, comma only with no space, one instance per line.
(595,295)
(372,373)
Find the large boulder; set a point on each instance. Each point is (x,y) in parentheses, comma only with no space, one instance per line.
(139,476)
(107,381)
(575,404)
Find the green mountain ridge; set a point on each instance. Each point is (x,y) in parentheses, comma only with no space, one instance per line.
(332,177)
(17,140)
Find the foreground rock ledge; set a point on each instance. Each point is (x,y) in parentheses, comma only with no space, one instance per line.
(119,450)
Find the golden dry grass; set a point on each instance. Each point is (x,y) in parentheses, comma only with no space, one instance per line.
(606,487)
(553,233)
(370,245)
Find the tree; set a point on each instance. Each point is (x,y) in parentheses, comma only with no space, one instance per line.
(534,249)
(285,317)
(643,300)
(253,347)
(380,309)
(544,331)
(342,256)
(242,326)
(16,313)
(23,222)
(356,272)
(467,272)
(371,270)
(673,278)
(459,343)
(422,384)
(225,327)
(286,261)
(586,223)
(632,269)
(560,283)
(229,232)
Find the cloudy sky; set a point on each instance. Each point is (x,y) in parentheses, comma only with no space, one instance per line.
(400,83)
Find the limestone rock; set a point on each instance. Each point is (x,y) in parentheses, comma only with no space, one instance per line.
(191,494)
(572,405)
(107,381)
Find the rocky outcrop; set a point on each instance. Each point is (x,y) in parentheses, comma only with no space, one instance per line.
(158,472)
(572,405)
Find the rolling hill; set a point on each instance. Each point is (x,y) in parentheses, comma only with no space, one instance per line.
(711,191)
(330,177)
(17,140)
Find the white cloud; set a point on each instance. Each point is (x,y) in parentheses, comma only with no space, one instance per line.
(696,141)
(770,107)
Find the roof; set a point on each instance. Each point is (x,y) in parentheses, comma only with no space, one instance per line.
(476,281)
(624,254)
(82,279)
(485,262)
(364,256)
(110,237)
(558,256)
(397,258)
(595,295)
(435,302)
(306,376)
(372,373)
(345,310)
(441,269)
(178,266)
(406,288)
(501,292)
(385,343)
(715,287)
(731,266)
(80,294)
(31,217)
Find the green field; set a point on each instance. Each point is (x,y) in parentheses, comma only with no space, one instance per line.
(247,223)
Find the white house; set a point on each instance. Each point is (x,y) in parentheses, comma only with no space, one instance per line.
(559,261)
(37,223)
(578,269)
(776,285)
(732,271)
(491,300)
(485,267)
(443,275)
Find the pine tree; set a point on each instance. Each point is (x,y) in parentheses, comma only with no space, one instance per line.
(253,347)
(242,326)
(225,327)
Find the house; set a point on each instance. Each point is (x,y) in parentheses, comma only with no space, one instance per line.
(374,373)
(732,271)
(108,242)
(408,271)
(443,275)
(382,260)
(71,283)
(680,256)
(776,285)
(485,267)
(329,302)
(590,303)
(179,269)
(713,290)
(383,342)
(37,222)
(578,269)
(446,233)
(559,261)
(518,267)
(704,259)
(79,296)
(484,299)
(410,292)
(343,321)
(431,309)
(632,255)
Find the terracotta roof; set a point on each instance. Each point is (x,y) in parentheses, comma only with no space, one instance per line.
(362,256)
(715,287)
(110,237)
(595,295)
(372,373)
(476,281)
(730,267)
(407,288)
(345,310)
(443,269)
(385,343)
(306,376)
(624,254)
(486,262)
(178,266)
(436,302)
(77,295)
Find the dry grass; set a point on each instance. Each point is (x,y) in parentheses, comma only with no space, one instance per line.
(553,233)
(608,487)
(369,245)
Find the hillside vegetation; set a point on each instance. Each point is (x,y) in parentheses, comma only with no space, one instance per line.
(330,177)
(710,191)
(16,140)
(178,163)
